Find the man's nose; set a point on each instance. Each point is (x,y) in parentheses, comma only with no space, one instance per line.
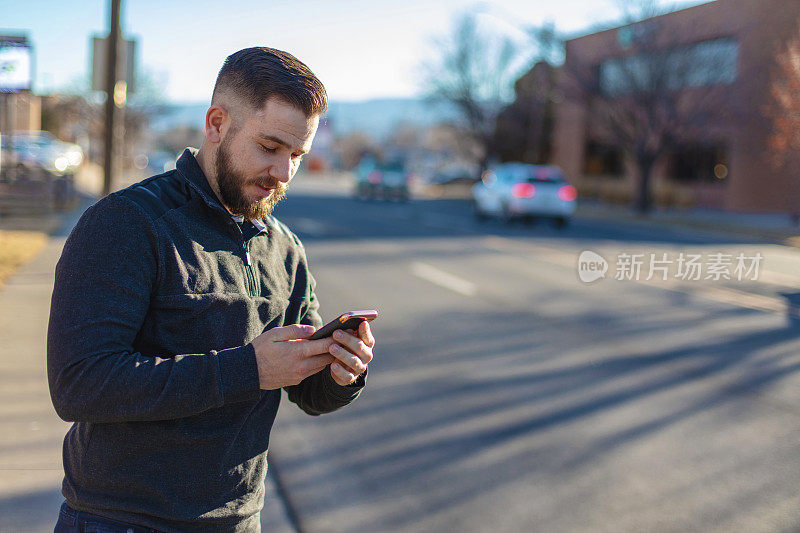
(282,170)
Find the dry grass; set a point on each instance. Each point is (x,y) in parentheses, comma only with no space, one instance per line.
(17,248)
(21,238)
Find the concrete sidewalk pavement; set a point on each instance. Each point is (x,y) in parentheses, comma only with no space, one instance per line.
(31,434)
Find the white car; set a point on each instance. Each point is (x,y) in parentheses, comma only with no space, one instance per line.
(520,191)
(41,149)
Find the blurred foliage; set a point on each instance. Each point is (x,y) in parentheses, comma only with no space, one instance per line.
(75,112)
(524,129)
(548,42)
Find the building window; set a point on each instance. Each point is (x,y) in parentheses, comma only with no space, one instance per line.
(702,64)
(698,164)
(603,160)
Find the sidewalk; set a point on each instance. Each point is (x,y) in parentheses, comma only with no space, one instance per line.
(31,434)
(776,228)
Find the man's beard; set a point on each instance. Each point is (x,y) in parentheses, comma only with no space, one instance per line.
(231,185)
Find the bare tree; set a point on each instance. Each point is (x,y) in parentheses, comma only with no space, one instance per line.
(176,139)
(76,107)
(549,42)
(659,93)
(473,71)
(524,128)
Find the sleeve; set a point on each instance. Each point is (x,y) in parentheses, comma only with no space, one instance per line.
(319,393)
(103,282)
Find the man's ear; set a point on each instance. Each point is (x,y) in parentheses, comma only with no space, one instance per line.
(216,116)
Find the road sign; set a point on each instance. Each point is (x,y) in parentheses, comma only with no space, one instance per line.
(16,62)
(126,61)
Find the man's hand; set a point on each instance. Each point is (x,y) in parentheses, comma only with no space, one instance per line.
(285,357)
(352,352)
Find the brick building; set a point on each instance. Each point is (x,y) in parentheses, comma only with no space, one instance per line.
(727,166)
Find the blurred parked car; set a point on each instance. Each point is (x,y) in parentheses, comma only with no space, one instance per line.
(381,180)
(35,151)
(519,190)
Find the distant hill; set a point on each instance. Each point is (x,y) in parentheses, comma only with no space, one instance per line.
(379,117)
(175,115)
(376,118)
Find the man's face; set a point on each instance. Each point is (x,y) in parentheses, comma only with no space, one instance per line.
(257,158)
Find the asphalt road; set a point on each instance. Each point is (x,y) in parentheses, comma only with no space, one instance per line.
(508,395)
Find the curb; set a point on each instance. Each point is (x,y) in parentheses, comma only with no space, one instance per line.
(782,237)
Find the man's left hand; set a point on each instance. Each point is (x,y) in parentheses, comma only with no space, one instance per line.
(353,352)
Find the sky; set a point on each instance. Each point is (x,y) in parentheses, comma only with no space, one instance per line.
(360,49)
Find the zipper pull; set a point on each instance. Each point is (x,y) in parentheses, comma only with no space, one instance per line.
(247,254)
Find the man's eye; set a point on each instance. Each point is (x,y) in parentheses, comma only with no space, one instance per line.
(267,149)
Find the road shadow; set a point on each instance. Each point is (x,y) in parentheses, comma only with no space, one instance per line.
(492,408)
(32,512)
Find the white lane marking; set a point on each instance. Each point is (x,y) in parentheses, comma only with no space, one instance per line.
(443,279)
(542,253)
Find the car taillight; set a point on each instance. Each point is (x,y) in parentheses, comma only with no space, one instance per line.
(375,177)
(568,193)
(523,190)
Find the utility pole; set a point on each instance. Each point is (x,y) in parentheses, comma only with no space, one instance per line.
(111,106)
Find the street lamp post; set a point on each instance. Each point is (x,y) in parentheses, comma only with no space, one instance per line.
(111,134)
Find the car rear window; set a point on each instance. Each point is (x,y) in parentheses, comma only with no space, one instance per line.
(530,174)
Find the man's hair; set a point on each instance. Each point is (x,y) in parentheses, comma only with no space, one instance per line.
(255,74)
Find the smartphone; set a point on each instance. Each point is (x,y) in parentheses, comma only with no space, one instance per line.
(350,320)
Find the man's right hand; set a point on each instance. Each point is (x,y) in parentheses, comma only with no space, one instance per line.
(285,356)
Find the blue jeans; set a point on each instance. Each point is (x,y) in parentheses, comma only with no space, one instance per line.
(72,521)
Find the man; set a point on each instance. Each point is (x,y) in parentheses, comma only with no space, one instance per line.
(181,308)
